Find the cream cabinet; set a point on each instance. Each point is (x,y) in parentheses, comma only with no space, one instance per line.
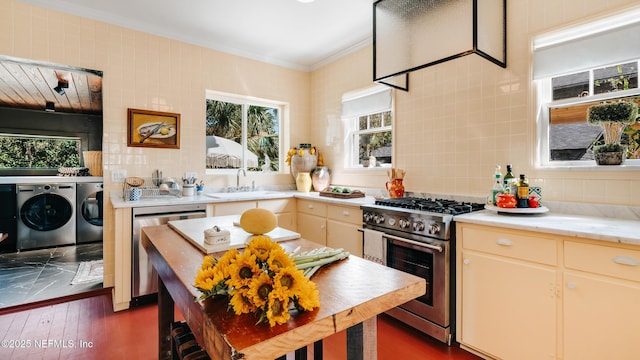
(335,226)
(312,220)
(343,223)
(507,284)
(531,295)
(285,210)
(601,302)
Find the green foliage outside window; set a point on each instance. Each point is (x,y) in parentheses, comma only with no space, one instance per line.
(23,152)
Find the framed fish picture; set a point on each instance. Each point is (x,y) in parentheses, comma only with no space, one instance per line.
(153,129)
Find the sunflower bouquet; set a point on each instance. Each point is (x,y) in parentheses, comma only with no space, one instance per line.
(263,279)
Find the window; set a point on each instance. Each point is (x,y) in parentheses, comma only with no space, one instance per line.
(369,122)
(243,133)
(579,67)
(34,152)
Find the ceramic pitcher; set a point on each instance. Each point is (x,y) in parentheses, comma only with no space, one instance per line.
(395,188)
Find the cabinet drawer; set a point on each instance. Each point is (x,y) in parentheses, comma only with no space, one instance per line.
(511,244)
(604,260)
(349,214)
(233,208)
(312,207)
(278,205)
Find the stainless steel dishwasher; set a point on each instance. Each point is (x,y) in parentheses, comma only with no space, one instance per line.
(144,279)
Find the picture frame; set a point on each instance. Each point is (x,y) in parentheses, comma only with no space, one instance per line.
(153,129)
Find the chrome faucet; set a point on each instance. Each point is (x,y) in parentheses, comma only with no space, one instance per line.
(238,177)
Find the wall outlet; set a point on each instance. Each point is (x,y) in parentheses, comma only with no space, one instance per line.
(118,175)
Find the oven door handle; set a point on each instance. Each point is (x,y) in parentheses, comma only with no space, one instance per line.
(417,243)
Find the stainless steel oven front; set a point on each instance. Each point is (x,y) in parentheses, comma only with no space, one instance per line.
(429,259)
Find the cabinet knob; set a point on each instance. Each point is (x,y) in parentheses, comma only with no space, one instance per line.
(504,242)
(345,213)
(571,285)
(466,261)
(310,206)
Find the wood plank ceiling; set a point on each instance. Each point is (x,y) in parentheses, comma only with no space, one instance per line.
(30,85)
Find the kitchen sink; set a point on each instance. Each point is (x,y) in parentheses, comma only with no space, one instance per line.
(243,194)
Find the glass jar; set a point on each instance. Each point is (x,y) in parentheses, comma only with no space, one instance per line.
(321,178)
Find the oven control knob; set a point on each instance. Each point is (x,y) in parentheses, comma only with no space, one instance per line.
(418,226)
(434,229)
(367,216)
(404,223)
(392,221)
(378,219)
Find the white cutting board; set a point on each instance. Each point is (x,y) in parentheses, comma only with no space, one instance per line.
(193,230)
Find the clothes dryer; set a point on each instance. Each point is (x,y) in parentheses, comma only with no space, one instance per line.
(47,216)
(89,212)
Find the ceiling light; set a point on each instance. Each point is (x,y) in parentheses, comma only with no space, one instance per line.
(61,86)
(50,106)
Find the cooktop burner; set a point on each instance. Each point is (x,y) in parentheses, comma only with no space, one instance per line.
(442,206)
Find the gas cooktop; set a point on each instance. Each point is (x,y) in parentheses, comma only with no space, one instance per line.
(441,206)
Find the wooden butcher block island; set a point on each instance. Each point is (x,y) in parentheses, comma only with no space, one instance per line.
(352,292)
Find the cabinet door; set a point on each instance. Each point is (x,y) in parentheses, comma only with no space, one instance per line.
(344,235)
(601,318)
(287,221)
(508,307)
(313,228)
(233,208)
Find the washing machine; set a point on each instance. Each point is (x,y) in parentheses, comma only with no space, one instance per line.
(89,212)
(46,215)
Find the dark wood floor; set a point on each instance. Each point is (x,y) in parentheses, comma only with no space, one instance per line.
(88,328)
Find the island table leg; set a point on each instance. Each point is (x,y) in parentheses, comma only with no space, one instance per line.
(165,318)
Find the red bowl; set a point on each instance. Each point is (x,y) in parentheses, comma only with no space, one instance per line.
(506,201)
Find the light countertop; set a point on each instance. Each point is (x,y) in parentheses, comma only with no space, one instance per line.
(588,227)
(49,179)
(117,200)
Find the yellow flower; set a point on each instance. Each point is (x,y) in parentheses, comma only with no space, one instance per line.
(309,297)
(241,302)
(291,279)
(205,279)
(242,270)
(279,259)
(208,262)
(261,246)
(278,309)
(259,289)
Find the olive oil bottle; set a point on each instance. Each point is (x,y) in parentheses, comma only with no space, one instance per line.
(522,192)
(509,180)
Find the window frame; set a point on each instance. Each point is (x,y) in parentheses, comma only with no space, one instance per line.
(245,102)
(352,131)
(544,97)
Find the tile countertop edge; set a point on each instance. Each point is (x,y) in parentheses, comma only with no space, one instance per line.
(118,202)
(588,227)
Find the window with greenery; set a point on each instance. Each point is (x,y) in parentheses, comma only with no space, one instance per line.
(243,133)
(576,68)
(38,152)
(369,120)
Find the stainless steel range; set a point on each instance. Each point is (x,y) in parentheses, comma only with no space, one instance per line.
(418,237)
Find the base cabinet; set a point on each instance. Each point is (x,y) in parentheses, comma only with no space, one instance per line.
(332,225)
(529,295)
(505,297)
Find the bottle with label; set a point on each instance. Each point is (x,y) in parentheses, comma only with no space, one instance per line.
(497,186)
(522,192)
(508,180)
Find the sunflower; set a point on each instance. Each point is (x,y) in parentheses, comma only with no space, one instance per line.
(260,288)
(209,262)
(308,298)
(241,303)
(291,279)
(278,307)
(242,270)
(261,246)
(279,259)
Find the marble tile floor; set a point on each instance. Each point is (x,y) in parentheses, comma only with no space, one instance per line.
(44,274)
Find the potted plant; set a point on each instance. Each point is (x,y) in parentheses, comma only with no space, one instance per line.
(614,118)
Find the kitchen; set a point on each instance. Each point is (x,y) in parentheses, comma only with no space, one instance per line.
(443,100)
